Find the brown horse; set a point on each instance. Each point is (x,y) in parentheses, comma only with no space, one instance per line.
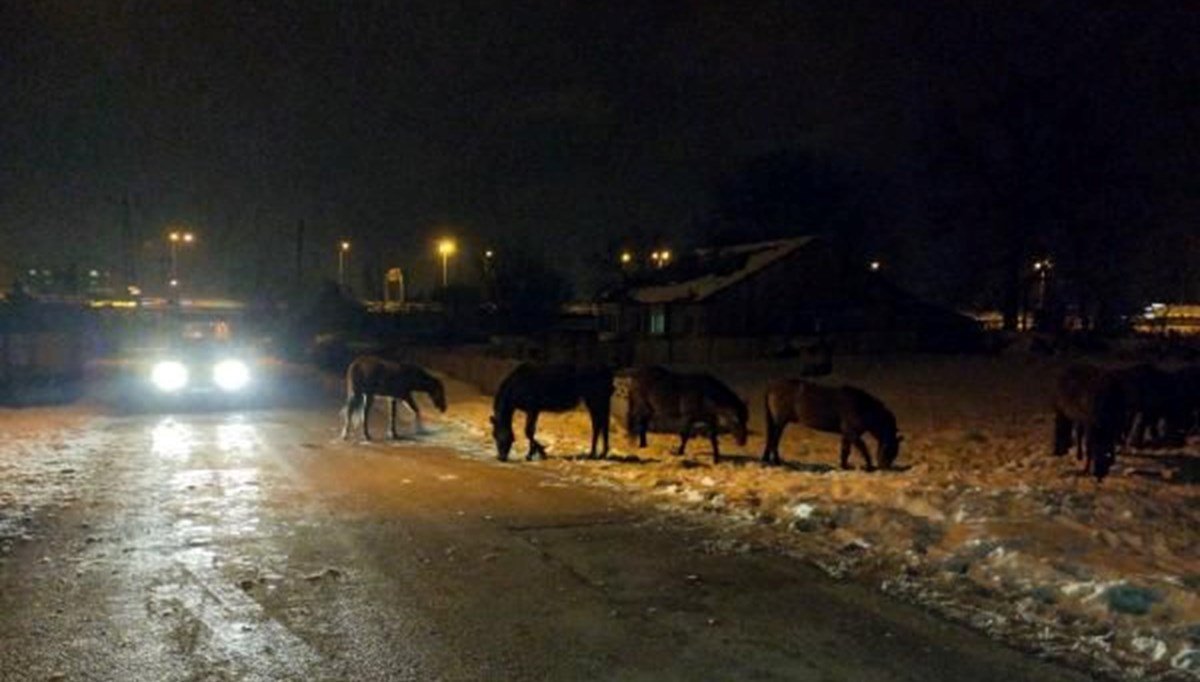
(369,376)
(1152,407)
(1090,412)
(1186,389)
(684,400)
(534,388)
(845,410)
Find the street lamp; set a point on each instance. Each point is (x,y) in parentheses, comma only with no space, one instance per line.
(343,250)
(446,248)
(175,238)
(661,258)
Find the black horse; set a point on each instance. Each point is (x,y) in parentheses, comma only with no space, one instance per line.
(534,388)
(1090,412)
(369,376)
(845,410)
(683,400)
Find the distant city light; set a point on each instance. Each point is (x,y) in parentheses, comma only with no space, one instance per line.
(875,266)
(626,257)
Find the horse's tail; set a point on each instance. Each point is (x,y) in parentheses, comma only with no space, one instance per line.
(630,417)
(1064,430)
(768,417)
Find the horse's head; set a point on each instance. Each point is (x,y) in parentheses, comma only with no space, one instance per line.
(889,451)
(503,435)
(438,394)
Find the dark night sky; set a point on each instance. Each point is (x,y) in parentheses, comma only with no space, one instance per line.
(544,123)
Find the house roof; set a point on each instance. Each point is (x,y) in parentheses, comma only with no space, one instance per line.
(717,269)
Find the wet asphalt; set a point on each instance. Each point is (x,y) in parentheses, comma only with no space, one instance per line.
(256,545)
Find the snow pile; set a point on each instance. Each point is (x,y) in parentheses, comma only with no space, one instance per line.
(979,523)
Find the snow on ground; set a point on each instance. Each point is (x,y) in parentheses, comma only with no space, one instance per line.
(40,464)
(980,523)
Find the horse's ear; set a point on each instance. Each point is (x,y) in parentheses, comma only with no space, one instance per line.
(492,419)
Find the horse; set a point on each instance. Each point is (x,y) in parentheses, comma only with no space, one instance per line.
(534,388)
(1150,401)
(845,410)
(1090,412)
(686,400)
(1185,383)
(368,376)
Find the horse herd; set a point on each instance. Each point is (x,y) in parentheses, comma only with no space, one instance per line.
(1102,410)
(658,396)
(1096,410)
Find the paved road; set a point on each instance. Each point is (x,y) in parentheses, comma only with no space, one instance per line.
(255,546)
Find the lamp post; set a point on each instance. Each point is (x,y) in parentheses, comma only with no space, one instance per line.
(343,250)
(446,248)
(175,238)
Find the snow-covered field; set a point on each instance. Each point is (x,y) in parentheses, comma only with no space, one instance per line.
(980,523)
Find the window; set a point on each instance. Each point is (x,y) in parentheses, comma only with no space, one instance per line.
(658,320)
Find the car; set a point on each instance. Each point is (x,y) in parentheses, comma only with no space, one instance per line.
(201,363)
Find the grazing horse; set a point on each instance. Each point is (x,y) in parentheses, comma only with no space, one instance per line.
(1090,412)
(685,400)
(1151,404)
(1186,390)
(844,410)
(534,388)
(369,376)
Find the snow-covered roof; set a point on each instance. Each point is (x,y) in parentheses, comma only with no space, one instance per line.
(755,257)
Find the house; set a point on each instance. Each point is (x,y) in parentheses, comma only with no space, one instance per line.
(751,301)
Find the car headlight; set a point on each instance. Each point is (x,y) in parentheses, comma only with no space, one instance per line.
(169,376)
(231,375)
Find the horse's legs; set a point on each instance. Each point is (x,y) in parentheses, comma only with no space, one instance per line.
(392,418)
(352,402)
(845,452)
(605,417)
(412,405)
(599,417)
(774,435)
(766,455)
(1063,430)
(368,401)
(535,448)
(862,449)
(643,424)
(684,434)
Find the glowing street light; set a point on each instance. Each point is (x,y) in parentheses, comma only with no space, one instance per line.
(875,266)
(626,258)
(176,238)
(661,258)
(446,248)
(343,251)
